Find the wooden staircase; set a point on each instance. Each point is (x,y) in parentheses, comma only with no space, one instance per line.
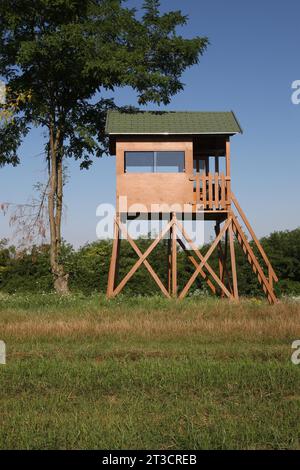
(266,282)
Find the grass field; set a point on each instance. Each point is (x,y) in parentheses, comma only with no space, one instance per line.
(148,373)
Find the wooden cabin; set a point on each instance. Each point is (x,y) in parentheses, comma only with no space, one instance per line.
(171,163)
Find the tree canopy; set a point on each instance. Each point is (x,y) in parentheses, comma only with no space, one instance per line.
(65,51)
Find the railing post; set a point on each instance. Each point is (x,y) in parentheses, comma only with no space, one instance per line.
(204,192)
(210,190)
(223,191)
(216,196)
(197,188)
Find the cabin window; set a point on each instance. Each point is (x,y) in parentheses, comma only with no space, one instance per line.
(139,162)
(154,162)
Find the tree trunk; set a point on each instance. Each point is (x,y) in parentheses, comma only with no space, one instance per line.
(55,198)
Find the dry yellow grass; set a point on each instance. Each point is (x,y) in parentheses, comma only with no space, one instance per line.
(248,320)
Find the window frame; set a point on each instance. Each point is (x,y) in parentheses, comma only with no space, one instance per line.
(154,165)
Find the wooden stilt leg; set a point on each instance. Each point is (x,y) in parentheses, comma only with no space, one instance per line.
(169,263)
(220,253)
(113,262)
(174,257)
(225,270)
(233,263)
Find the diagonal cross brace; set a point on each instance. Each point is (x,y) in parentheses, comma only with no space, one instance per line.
(204,261)
(146,263)
(194,262)
(142,259)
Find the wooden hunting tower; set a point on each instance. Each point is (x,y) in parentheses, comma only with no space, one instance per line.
(182,159)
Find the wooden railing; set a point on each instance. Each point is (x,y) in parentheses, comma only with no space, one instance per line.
(212,191)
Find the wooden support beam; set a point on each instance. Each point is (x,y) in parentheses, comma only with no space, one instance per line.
(233,263)
(113,261)
(146,263)
(142,259)
(194,262)
(228,163)
(223,260)
(174,256)
(270,275)
(169,263)
(225,264)
(220,256)
(228,172)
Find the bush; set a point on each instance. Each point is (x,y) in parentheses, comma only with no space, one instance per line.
(29,270)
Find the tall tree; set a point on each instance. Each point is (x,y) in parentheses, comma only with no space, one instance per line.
(66,53)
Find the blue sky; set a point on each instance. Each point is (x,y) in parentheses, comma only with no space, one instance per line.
(249,68)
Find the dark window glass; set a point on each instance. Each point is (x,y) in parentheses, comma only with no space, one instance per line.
(154,162)
(139,162)
(169,162)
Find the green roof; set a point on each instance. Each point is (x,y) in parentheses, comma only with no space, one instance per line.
(171,122)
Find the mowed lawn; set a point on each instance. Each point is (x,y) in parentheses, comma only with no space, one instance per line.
(138,373)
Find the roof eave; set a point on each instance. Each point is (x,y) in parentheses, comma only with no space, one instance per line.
(176,133)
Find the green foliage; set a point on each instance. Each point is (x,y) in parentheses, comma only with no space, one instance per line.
(285,249)
(88,267)
(29,271)
(25,271)
(12,127)
(64,52)
(11,135)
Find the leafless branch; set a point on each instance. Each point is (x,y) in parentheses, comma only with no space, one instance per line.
(30,219)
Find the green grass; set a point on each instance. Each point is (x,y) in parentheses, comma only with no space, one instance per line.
(87,373)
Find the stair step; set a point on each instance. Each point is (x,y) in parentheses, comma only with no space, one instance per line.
(253,261)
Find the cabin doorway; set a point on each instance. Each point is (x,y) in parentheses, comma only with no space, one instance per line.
(201,165)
